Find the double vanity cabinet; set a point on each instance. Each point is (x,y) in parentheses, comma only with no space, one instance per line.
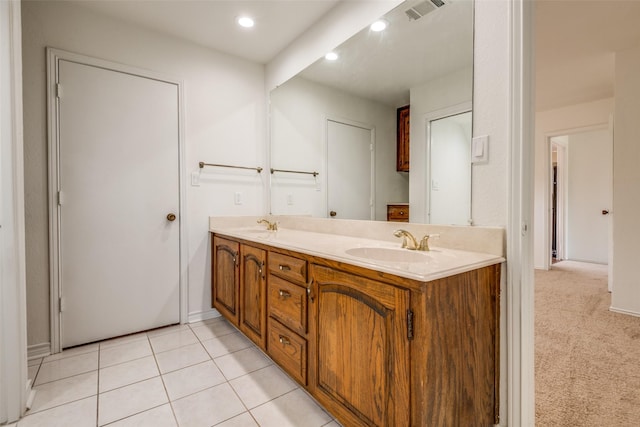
(374,348)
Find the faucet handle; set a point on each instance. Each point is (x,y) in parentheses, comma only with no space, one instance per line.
(424,243)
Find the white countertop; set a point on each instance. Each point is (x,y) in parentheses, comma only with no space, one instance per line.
(438,263)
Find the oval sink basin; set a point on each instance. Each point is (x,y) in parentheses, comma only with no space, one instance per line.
(388,254)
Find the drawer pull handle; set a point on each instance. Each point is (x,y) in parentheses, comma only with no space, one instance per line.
(284,268)
(284,294)
(401,212)
(284,340)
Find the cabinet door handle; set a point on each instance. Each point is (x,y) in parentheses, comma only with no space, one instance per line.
(284,267)
(310,294)
(284,340)
(284,294)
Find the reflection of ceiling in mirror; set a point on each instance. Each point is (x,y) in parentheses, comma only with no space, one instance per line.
(383,66)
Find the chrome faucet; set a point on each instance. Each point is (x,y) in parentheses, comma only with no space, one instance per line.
(410,242)
(271,226)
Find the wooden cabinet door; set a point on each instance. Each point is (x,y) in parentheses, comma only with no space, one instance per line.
(360,349)
(402,144)
(226,280)
(253,289)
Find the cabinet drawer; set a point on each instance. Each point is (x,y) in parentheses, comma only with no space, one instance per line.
(398,213)
(288,349)
(288,303)
(289,267)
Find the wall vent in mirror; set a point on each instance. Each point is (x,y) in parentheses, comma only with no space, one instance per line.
(421,9)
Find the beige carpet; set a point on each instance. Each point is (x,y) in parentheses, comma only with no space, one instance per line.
(587,358)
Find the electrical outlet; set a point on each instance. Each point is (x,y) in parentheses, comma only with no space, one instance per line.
(237,198)
(290,199)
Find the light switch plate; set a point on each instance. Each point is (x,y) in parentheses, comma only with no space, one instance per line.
(480,149)
(195,179)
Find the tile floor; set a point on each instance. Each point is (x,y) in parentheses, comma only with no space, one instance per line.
(202,374)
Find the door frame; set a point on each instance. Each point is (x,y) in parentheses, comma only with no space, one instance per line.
(454,110)
(561,199)
(348,122)
(53,144)
(548,228)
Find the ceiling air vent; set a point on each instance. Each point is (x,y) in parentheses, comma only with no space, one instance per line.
(422,8)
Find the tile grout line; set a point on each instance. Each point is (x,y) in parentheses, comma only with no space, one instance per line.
(173,412)
(98,386)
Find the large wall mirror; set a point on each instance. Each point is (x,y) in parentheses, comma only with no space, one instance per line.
(334,126)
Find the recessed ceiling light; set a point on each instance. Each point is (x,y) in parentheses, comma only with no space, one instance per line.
(246,22)
(379,25)
(331,56)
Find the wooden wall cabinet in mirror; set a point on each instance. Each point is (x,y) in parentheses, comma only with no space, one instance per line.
(398,213)
(403,139)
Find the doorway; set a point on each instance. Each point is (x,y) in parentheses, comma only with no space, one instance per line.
(581,188)
(449,160)
(116,211)
(350,173)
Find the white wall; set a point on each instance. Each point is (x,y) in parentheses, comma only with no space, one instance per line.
(299,110)
(552,123)
(589,192)
(448,91)
(489,188)
(626,176)
(224,122)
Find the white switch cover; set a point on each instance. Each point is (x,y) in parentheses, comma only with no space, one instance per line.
(480,149)
(237,197)
(195,179)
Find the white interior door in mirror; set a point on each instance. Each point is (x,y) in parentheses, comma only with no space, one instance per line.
(450,169)
(350,173)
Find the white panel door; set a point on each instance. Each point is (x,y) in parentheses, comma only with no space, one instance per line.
(118,176)
(349,178)
(589,194)
(450,162)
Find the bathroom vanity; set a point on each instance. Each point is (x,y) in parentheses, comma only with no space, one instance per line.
(379,335)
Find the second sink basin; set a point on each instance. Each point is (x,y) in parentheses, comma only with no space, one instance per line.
(388,254)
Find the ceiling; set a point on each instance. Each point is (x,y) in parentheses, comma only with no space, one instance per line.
(576,41)
(211,23)
(384,66)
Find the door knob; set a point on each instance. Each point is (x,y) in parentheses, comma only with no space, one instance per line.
(605,212)
(333,213)
(171,217)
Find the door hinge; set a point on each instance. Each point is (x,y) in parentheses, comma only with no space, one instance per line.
(410,324)
(61,304)
(58,90)
(60,198)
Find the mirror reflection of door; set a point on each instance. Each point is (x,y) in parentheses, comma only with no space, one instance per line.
(349,171)
(449,142)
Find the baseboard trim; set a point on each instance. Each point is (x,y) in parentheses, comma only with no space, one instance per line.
(199,316)
(31,394)
(36,351)
(623,311)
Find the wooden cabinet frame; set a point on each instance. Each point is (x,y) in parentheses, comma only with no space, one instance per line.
(438,342)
